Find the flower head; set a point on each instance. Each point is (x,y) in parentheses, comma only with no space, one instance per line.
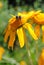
(38,19)
(41,58)
(1,4)
(16,26)
(1,52)
(23,63)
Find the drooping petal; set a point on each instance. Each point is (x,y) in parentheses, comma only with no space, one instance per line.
(6,35)
(31,31)
(20,37)
(12,20)
(37,30)
(1,52)
(43,33)
(11,40)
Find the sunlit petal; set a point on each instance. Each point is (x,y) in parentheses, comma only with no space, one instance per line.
(6,35)
(41,58)
(42,33)
(20,37)
(12,20)
(31,31)
(37,30)
(11,40)
(1,52)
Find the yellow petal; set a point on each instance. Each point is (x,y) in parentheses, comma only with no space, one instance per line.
(21,14)
(31,31)
(42,53)
(12,20)
(1,52)
(7,28)
(26,16)
(43,33)
(39,18)
(12,39)
(30,14)
(37,12)
(20,37)
(1,4)
(37,30)
(41,58)
(6,35)
(42,27)
(23,63)
(12,15)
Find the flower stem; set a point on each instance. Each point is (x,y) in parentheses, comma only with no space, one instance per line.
(29,54)
(36,47)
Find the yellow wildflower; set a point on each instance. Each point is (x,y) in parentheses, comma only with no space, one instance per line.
(16,26)
(41,58)
(38,18)
(1,52)
(1,4)
(23,63)
(43,33)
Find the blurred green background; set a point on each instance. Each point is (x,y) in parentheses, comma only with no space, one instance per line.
(19,54)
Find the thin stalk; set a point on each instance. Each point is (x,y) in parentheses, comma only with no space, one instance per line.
(29,54)
(36,48)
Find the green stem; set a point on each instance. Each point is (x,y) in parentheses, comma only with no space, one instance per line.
(29,53)
(36,47)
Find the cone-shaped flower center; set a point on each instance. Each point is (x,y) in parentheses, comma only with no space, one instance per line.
(17,23)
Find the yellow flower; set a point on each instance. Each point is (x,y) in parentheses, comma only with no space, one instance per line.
(16,26)
(23,63)
(41,58)
(1,52)
(38,18)
(1,4)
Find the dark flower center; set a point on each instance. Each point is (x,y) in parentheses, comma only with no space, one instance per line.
(18,17)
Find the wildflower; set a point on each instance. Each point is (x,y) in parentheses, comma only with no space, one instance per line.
(38,18)
(23,63)
(1,52)
(41,58)
(43,33)
(16,26)
(1,4)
